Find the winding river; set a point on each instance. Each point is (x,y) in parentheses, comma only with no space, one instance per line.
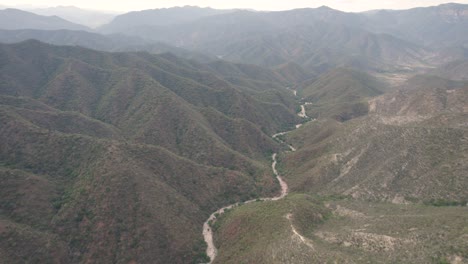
(211,250)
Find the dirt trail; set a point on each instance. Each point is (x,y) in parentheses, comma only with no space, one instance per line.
(295,233)
(303,113)
(211,250)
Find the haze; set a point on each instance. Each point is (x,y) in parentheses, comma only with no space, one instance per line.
(122,6)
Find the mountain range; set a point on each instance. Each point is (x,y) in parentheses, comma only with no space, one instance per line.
(168,138)
(118,143)
(19,19)
(391,45)
(279,37)
(89,18)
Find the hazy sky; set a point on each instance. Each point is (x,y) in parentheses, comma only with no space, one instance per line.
(125,5)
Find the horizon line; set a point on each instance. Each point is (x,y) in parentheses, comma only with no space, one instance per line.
(117,12)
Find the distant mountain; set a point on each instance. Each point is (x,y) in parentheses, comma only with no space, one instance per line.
(97,41)
(341,94)
(70,37)
(438,26)
(158,17)
(17,19)
(318,39)
(260,38)
(455,70)
(449,54)
(89,18)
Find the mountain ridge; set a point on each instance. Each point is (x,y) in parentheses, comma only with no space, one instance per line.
(18,19)
(126,129)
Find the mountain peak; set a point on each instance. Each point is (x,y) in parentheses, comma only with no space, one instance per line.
(14,10)
(324,7)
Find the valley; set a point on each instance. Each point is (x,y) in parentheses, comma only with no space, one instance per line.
(211,250)
(202,135)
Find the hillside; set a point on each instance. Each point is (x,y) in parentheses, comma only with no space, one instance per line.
(306,229)
(416,135)
(374,189)
(97,41)
(128,148)
(423,96)
(197,135)
(340,94)
(454,70)
(71,38)
(17,19)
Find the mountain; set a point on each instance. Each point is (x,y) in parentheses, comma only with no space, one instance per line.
(386,43)
(307,229)
(17,19)
(70,37)
(97,41)
(258,38)
(374,189)
(341,84)
(437,26)
(424,97)
(118,148)
(340,94)
(294,71)
(158,17)
(89,18)
(122,156)
(455,70)
(411,146)
(383,42)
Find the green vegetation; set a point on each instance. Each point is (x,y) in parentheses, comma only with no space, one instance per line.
(442,202)
(390,187)
(385,155)
(120,157)
(340,94)
(254,229)
(344,230)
